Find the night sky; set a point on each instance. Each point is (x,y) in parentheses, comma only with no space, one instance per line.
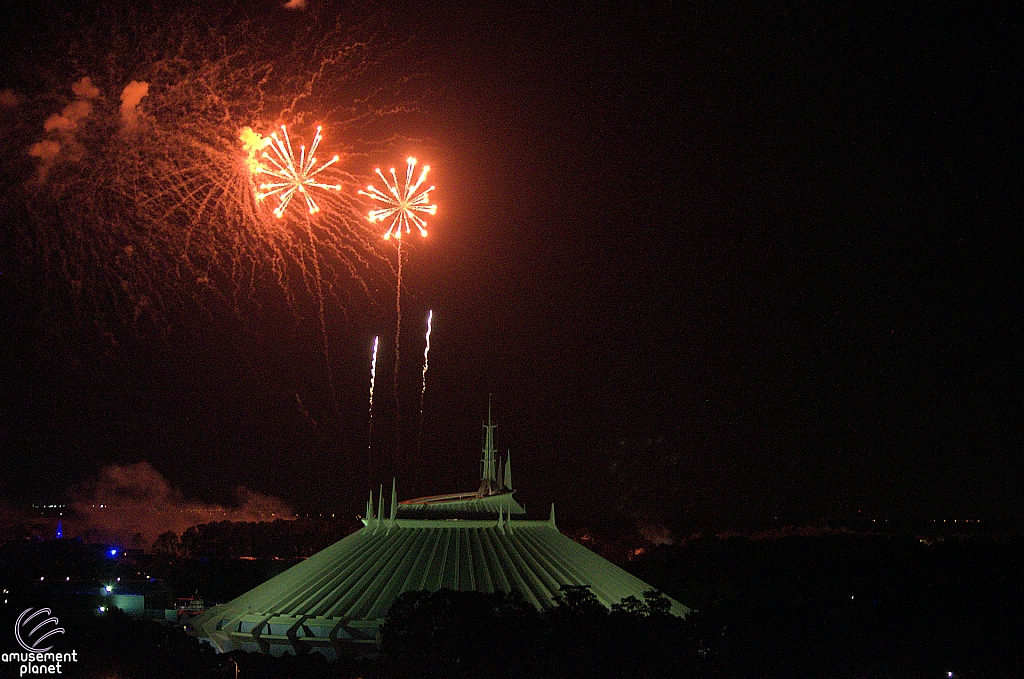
(716,265)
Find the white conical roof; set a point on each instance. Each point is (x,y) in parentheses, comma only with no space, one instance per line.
(339,596)
(463,541)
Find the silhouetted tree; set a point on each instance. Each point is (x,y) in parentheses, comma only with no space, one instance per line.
(167,545)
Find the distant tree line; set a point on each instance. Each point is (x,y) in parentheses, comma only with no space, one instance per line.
(472,634)
(290,539)
(838,606)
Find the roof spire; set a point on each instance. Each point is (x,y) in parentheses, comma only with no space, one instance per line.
(551,519)
(394,504)
(380,504)
(489,483)
(369,508)
(507,480)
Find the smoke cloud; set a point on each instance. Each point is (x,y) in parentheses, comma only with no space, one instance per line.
(68,119)
(60,128)
(135,501)
(85,89)
(9,98)
(45,150)
(654,532)
(130,98)
(253,143)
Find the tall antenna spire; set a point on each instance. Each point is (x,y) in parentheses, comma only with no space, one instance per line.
(489,483)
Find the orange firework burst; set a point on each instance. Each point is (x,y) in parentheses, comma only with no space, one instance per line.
(143,212)
(403,203)
(291,174)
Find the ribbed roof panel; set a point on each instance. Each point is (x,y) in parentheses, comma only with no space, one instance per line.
(349,586)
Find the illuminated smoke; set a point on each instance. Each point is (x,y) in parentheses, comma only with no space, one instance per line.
(130,97)
(67,121)
(45,150)
(85,89)
(9,98)
(654,532)
(136,499)
(253,143)
(60,129)
(296,4)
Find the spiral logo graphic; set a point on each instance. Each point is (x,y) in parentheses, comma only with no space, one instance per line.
(41,629)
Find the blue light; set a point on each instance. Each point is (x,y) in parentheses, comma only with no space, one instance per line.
(113,552)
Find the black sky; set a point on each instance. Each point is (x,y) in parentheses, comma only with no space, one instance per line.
(716,263)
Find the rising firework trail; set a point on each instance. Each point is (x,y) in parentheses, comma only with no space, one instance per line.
(403,206)
(423,389)
(373,381)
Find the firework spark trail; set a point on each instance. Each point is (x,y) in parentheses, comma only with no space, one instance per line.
(295,174)
(324,344)
(373,381)
(402,204)
(423,389)
(398,346)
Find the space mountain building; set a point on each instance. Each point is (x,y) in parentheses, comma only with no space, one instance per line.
(334,602)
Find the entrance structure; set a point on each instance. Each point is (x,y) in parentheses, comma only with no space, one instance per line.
(334,601)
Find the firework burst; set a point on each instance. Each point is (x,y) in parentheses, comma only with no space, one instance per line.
(145,203)
(290,174)
(403,204)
